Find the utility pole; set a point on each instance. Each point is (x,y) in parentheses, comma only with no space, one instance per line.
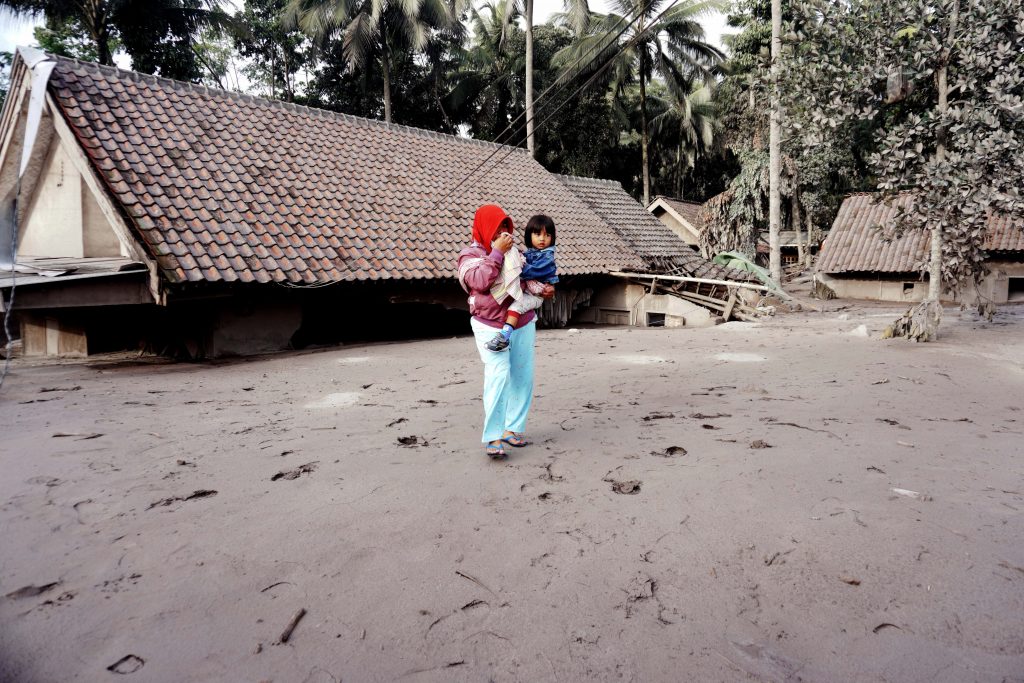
(530,143)
(775,151)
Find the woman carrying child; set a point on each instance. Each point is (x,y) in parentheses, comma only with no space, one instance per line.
(508,376)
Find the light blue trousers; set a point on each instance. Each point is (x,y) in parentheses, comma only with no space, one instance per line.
(508,379)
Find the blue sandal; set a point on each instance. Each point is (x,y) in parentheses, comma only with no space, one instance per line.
(515,440)
(495,452)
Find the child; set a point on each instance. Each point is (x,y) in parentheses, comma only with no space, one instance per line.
(537,270)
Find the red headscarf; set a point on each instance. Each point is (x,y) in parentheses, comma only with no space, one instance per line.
(489,220)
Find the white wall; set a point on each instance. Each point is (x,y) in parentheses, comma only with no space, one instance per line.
(996,285)
(53,225)
(684,231)
(98,236)
(64,218)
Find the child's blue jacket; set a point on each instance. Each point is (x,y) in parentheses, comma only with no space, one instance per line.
(540,265)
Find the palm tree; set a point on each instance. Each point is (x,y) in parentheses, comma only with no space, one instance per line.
(667,44)
(691,117)
(486,90)
(374,31)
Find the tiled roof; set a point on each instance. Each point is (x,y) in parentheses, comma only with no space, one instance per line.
(857,244)
(688,210)
(1004,233)
(226,187)
(651,239)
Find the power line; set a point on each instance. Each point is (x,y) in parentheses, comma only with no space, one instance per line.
(599,47)
(511,149)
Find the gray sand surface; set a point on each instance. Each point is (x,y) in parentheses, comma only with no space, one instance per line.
(427,562)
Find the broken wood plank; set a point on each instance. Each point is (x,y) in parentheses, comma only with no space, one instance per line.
(290,628)
(730,305)
(699,280)
(696,280)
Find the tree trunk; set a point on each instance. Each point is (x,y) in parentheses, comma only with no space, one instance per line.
(103,46)
(96,18)
(643,134)
(942,86)
(385,67)
(679,168)
(531,144)
(775,151)
(935,262)
(810,231)
(796,219)
(289,94)
(921,322)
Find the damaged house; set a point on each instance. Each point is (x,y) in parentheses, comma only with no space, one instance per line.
(860,260)
(185,219)
(677,301)
(681,217)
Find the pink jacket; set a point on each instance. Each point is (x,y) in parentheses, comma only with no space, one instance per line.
(478,270)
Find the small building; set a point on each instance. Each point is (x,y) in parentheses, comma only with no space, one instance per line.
(789,247)
(859,259)
(681,217)
(201,222)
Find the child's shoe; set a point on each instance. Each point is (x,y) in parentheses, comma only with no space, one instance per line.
(499,343)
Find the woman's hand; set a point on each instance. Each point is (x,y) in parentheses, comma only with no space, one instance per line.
(548,293)
(502,242)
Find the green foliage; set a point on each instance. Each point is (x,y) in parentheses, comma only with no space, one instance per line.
(487,85)
(685,122)
(665,41)
(818,171)
(158,35)
(418,100)
(215,54)
(68,38)
(274,52)
(6,58)
(382,35)
(581,137)
(440,66)
(960,159)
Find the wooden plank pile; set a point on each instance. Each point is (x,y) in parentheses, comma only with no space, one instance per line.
(727,298)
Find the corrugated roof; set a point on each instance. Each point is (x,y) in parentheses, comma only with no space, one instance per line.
(857,241)
(651,239)
(688,210)
(226,187)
